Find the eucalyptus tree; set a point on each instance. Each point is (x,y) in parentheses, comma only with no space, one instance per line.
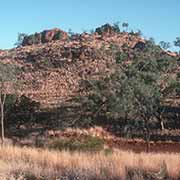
(177,42)
(125,25)
(8,85)
(165,45)
(135,91)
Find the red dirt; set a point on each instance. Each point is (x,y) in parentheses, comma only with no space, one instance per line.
(136,145)
(141,146)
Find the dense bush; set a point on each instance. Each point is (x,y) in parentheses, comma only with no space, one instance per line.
(21,111)
(82,143)
(107,28)
(135,90)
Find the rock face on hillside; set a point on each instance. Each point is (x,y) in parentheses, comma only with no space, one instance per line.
(44,37)
(53,66)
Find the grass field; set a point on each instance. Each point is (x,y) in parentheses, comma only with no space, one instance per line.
(31,163)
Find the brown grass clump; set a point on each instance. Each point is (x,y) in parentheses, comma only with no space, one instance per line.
(30,163)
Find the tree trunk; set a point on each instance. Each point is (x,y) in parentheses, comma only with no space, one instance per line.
(147,137)
(2,124)
(162,125)
(161,122)
(147,142)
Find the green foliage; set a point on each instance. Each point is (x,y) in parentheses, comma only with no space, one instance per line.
(177,42)
(125,25)
(116,27)
(70,32)
(108,152)
(91,31)
(41,37)
(20,39)
(121,56)
(8,73)
(8,84)
(178,75)
(22,111)
(82,143)
(139,32)
(107,28)
(57,36)
(10,100)
(46,63)
(174,88)
(133,33)
(32,39)
(126,90)
(151,41)
(135,90)
(25,104)
(165,45)
(167,65)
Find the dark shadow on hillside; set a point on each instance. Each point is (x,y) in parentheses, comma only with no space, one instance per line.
(34,122)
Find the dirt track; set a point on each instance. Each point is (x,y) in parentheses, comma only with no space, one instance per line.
(141,146)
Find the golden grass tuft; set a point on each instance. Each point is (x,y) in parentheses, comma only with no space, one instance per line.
(28,163)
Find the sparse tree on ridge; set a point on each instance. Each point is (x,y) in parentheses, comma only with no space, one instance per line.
(152,41)
(165,45)
(116,26)
(20,39)
(177,42)
(70,32)
(125,25)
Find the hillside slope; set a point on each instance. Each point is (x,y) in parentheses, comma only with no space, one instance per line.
(52,70)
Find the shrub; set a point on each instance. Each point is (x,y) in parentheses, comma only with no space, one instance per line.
(57,36)
(108,28)
(22,111)
(175,86)
(178,75)
(121,56)
(20,39)
(82,143)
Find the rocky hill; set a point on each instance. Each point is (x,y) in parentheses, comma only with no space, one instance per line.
(54,62)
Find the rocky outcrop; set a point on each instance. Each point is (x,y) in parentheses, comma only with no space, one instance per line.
(44,37)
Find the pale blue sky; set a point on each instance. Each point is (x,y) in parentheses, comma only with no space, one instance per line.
(156,18)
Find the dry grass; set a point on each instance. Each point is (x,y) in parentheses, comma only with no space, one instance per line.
(30,163)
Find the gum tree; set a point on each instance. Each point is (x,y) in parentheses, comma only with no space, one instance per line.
(177,42)
(8,84)
(125,25)
(20,39)
(165,45)
(135,91)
